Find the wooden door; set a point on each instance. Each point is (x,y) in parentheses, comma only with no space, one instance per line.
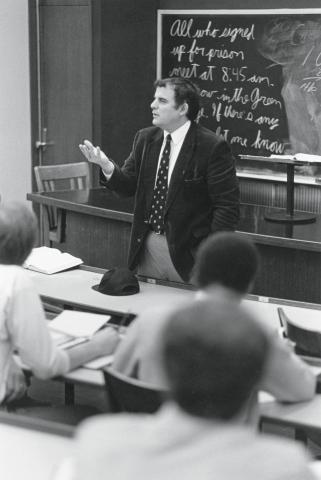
(61,71)
(61,79)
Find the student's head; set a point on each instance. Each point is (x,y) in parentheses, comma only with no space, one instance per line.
(18,230)
(176,100)
(213,355)
(226,259)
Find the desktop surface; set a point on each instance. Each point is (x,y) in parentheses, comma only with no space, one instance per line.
(31,455)
(74,288)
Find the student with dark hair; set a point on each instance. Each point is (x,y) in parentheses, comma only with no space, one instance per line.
(225,267)
(213,365)
(23,327)
(184,182)
(228,260)
(214,355)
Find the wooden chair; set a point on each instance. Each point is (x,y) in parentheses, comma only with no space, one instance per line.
(66,176)
(49,178)
(130,395)
(306,342)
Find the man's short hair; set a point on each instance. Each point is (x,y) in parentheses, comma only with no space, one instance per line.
(184,91)
(227,259)
(18,230)
(213,355)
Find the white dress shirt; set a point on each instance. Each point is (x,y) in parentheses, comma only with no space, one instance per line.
(23,328)
(178,137)
(171,445)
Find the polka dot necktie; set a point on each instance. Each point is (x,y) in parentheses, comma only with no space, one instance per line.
(160,190)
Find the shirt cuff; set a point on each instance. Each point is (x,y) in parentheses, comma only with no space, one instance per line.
(108,175)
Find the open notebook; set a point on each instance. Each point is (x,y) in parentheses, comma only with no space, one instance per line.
(50,260)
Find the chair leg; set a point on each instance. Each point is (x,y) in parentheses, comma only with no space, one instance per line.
(300,434)
(69,394)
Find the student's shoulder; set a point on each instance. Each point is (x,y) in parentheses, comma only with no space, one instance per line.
(120,426)
(154,317)
(13,274)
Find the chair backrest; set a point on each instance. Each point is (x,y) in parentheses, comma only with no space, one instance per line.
(130,395)
(66,176)
(307,342)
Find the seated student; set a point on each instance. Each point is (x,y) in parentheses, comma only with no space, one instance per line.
(23,327)
(225,267)
(214,355)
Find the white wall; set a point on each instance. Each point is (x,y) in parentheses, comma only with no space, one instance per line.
(15,126)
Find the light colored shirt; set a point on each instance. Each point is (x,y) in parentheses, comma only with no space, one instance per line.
(286,376)
(172,445)
(178,137)
(23,328)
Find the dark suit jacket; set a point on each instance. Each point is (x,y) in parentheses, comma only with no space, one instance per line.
(203,194)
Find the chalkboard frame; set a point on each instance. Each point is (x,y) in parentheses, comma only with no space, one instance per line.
(307,176)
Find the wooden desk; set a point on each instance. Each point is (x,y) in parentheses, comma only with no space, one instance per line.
(97,228)
(290,255)
(28,451)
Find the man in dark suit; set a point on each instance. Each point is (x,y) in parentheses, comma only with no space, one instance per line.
(184,181)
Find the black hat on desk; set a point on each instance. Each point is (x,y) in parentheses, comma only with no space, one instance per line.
(118,281)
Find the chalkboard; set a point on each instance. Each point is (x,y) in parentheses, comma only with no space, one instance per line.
(259,74)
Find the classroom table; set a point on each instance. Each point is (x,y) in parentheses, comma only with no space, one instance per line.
(299,416)
(96,227)
(72,289)
(32,449)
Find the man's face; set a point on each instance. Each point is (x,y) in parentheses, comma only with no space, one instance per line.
(166,114)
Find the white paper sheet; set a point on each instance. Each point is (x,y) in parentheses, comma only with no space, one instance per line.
(78,324)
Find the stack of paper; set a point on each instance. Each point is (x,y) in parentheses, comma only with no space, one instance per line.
(50,260)
(78,324)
